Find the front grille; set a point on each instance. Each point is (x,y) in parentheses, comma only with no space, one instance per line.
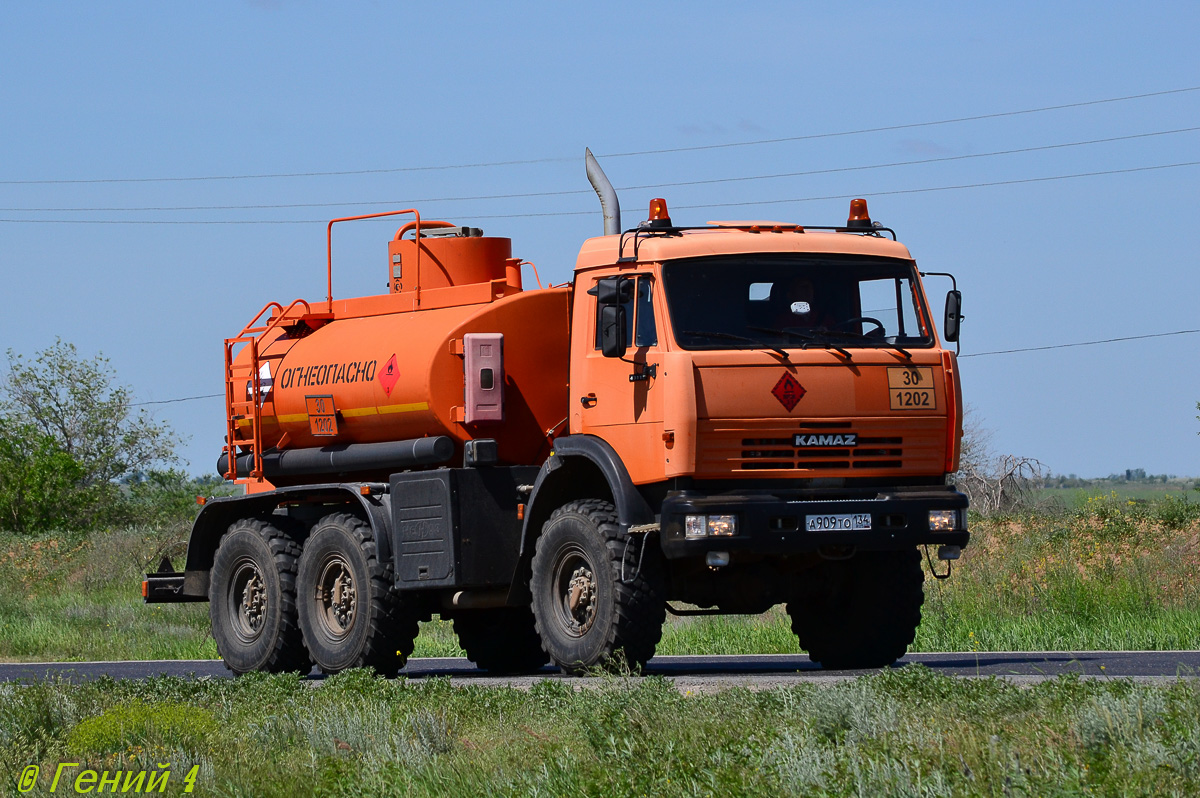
(762,446)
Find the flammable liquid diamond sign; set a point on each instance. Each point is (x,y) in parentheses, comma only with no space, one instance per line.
(788,391)
(389,375)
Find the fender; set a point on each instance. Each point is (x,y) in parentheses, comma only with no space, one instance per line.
(580,466)
(216,516)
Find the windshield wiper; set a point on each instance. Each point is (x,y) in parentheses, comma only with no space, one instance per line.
(808,338)
(731,337)
(853,336)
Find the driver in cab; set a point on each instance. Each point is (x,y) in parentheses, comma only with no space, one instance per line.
(800,309)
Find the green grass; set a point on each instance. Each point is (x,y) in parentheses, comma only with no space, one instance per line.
(1075,495)
(1114,573)
(901,733)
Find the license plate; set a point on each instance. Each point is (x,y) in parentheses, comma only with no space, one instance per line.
(842,522)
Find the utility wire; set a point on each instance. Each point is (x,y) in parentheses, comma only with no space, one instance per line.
(173,221)
(1081,343)
(713,181)
(908,126)
(678,207)
(945,188)
(663,151)
(973,354)
(172,401)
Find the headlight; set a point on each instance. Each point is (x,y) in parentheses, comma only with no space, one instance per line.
(723,525)
(943,520)
(696,527)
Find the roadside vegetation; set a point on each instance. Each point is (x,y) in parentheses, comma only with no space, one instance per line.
(1111,573)
(903,732)
(76,453)
(1072,564)
(1054,563)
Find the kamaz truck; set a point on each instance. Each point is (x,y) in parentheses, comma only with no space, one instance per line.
(716,418)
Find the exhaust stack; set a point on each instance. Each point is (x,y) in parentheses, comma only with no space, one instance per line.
(607,194)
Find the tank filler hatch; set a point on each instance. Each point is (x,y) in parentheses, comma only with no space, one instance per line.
(451,255)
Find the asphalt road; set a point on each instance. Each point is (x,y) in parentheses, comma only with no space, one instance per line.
(700,672)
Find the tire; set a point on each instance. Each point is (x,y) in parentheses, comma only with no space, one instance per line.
(862,612)
(252,595)
(614,624)
(502,640)
(348,613)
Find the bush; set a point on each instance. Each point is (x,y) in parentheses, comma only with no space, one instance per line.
(38,480)
(69,438)
(141,725)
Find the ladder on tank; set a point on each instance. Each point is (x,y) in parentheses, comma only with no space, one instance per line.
(244,394)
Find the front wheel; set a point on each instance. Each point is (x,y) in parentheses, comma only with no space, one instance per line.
(598,592)
(350,617)
(862,612)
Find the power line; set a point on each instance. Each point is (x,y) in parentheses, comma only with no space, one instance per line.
(947,188)
(163,221)
(894,192)
(1081,343)
(972,354)
(527,195)
(908,126)
(663,151)
(173,401)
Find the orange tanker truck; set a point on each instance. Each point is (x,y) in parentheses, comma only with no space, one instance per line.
(727,417)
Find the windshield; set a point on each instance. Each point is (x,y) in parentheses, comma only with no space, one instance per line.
(750,302)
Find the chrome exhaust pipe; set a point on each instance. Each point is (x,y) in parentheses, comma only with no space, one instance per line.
(607,194)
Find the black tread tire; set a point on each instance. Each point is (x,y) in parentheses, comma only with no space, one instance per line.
(382,629)
(277,645)
(628,617)
(863,613)
(502,640)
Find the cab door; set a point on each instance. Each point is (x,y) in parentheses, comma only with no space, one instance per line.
(616,398)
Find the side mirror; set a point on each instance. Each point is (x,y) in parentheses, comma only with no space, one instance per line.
(612,331)
(612,290)
(950,327)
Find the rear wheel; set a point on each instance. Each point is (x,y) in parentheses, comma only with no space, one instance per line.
(598,593)
(862,612)
(349,615)
(252,599)
(502,640)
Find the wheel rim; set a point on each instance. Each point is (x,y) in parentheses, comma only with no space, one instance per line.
(336,598)
(575,591)
(247,600)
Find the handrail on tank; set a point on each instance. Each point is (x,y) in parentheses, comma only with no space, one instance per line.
(432,225)
(249,328)
(329,246)
(272,322)
(283,314)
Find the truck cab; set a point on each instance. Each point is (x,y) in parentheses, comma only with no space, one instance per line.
(780,398)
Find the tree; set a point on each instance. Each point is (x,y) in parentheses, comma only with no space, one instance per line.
(68,436)
(993,483)
(75,402)
(37,479)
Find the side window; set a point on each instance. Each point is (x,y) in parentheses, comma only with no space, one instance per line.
(877,298)
(893,302)
(640,329)
(647,334)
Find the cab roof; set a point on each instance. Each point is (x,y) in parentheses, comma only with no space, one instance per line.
(732,238)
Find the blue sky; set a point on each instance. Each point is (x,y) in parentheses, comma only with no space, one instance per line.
(157,90)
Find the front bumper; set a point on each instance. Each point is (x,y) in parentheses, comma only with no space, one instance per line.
(775,522)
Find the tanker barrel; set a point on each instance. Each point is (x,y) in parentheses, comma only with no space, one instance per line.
(347,458)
